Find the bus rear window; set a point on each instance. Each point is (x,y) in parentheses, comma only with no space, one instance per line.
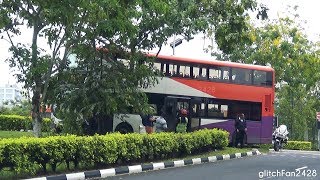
(241,76)
(262,78)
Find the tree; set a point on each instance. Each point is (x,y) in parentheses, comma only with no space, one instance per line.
(56,22)
(105,85)
(297,109)
(283,45)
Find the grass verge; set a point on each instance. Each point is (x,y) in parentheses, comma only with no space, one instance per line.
(14,134)
(19,134)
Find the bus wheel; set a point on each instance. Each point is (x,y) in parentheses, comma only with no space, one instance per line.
(124,128)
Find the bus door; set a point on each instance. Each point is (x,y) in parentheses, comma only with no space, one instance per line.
(194,115)
(172,105)
(170,111)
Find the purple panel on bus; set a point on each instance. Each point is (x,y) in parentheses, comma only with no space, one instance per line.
(259,132)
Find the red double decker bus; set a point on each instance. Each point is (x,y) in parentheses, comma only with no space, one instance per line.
(215,93)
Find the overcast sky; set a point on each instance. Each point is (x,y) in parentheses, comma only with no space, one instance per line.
(308,10)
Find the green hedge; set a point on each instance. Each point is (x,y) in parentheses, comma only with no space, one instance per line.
(31,155)
(298,145)
(16,123)
(293,145)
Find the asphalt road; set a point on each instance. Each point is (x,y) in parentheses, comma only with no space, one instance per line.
(274,165)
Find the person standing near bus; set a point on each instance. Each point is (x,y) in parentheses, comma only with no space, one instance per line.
(182,121)
(241,128)
(161,124)
(147,121)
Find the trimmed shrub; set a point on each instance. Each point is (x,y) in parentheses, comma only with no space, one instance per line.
(129,146)
(203,140)
(13,122)
(32,155)
(15,154)
(105,150)
(220,138)
(17,122)
(292,145)
(298,145)
(160,145)
(71,149)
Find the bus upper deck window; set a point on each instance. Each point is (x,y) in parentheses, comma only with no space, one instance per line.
(167,70)
(185,71)
(241,76)
(269,79)
(173,70)
(203,74)
(157,67)
(260,78)
(225,74)
(195,72)
(215,74)
(162,68)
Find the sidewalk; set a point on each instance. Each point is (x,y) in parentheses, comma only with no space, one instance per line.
(103,173)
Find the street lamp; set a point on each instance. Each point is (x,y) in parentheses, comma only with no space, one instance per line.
(177,42)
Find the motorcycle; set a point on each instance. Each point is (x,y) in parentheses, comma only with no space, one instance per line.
(280,137)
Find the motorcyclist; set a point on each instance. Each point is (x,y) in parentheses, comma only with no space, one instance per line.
(282,132)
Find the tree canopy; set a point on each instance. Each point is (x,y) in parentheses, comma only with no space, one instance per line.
(101,83)
(284,45)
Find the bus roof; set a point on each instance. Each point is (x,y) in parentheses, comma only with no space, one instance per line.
(211,62)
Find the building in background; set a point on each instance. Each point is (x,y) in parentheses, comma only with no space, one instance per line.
(9,93)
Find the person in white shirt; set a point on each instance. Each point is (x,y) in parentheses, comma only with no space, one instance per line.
(161,124)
